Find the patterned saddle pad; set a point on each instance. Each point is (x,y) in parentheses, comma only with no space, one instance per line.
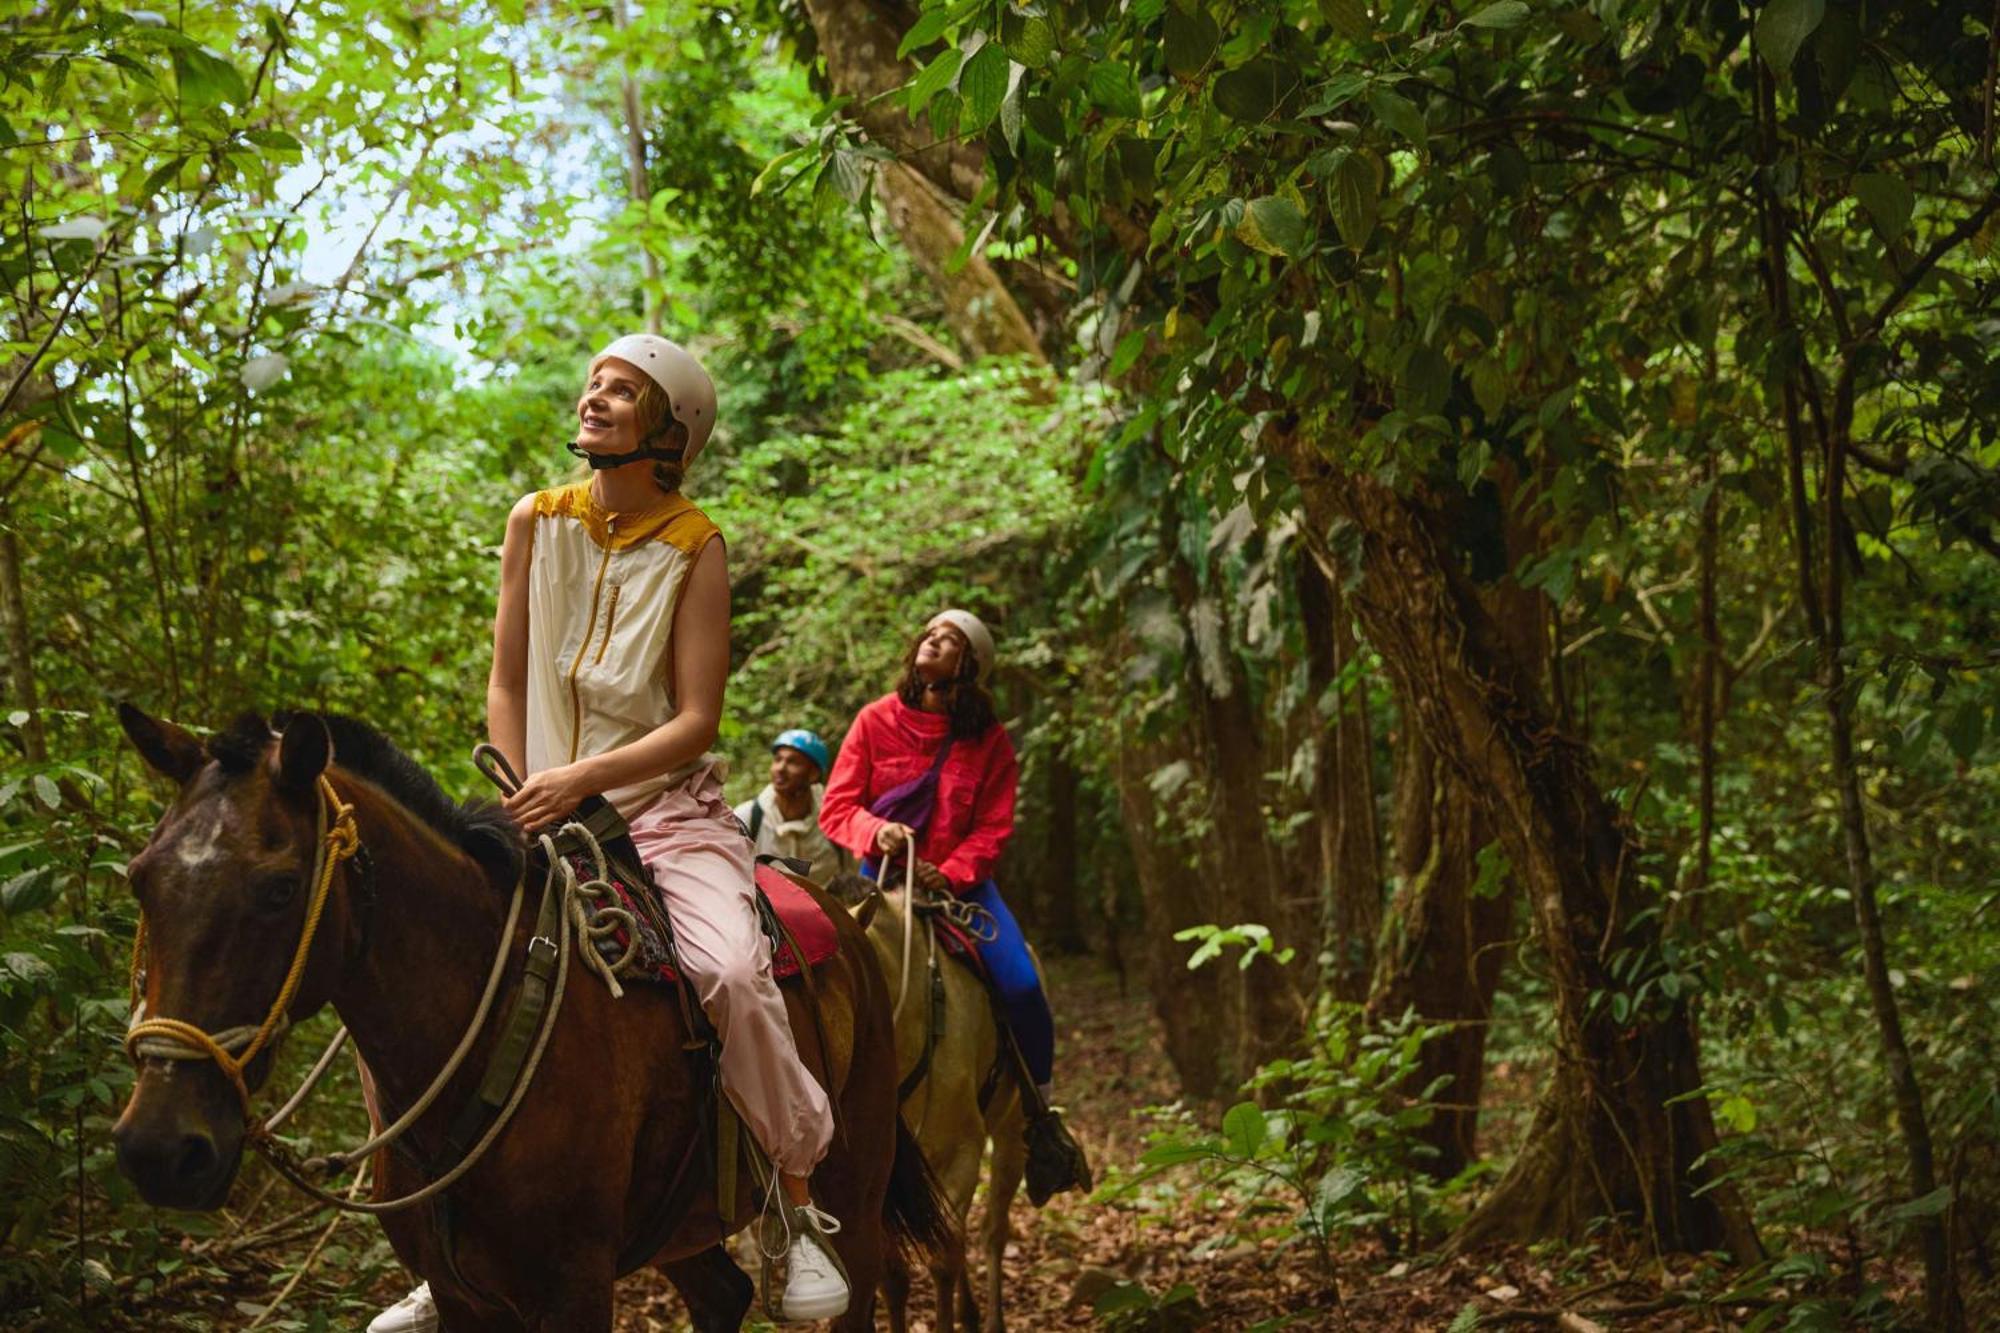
(780,895)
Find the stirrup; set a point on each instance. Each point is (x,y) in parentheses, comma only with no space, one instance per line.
(1056,1161)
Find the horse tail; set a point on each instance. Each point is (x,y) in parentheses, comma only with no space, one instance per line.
(919,1216)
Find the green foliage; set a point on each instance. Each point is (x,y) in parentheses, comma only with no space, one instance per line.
(1253,939)
(844,542)
(1334,1138)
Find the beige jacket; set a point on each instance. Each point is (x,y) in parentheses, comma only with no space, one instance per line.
(799,838)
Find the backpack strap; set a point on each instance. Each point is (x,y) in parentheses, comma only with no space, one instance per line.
(756,819)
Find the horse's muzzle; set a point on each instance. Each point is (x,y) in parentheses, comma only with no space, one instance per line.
(177,1152)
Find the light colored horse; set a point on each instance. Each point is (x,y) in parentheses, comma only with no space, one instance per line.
(943,1108)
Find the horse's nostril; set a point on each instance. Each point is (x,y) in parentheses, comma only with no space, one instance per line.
(196,1160)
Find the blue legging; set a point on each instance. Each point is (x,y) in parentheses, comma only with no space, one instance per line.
(1019,987)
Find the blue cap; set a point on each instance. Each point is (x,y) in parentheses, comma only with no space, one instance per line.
(808,744)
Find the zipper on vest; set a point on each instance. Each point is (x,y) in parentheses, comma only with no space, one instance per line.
(610,619)
(576,695)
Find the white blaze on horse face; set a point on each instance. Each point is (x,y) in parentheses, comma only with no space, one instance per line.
(199,848)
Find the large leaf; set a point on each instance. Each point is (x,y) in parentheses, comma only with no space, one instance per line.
(206,79)
(1275,225)
(1783,28)
(1889,202)
(1400,114)
(1349,18)
(261,372)
(1929,1205)
(1190,40)
(1035,43)
(1336,1187)
(930,26)
(1354,197)
(83,228)
(1426,381)
(1253,91)
(983,84)
(1114,87)
(1244,1127)
(1500,14)
(934,78)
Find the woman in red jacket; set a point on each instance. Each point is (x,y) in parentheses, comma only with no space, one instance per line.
(931,762)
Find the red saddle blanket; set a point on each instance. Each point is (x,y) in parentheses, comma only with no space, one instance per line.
(802,917)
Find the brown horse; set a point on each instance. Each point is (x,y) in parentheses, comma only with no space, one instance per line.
(951,1052)
(402,948)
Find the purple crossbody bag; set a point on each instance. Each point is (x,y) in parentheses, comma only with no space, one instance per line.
(911,803)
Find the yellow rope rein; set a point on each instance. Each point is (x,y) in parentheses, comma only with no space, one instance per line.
(173,1039)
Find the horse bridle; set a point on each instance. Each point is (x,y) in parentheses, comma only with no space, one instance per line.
(232,1049)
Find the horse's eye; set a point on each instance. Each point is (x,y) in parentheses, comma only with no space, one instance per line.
(275,893)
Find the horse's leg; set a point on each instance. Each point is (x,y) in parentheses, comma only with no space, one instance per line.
(584,1306)
(944,1277)
(854,1195)
(896,1292)
(968,1302)
(960,1179)
(457,1315)
(716,1291)
(1010,1163)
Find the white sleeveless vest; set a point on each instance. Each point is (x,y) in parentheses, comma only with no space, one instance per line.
(602,591)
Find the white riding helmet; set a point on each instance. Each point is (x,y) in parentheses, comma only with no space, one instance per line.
(975,632)
(690,392)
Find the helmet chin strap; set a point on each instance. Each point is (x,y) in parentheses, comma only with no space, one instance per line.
(599,462)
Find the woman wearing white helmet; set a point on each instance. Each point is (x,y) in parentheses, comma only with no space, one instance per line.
(929,763)
(610,653)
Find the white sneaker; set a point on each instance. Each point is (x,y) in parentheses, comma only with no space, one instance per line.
(814,1286)
(415,1313)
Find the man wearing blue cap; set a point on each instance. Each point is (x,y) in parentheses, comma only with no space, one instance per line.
(784,819)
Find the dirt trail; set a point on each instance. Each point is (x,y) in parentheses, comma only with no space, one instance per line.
(1111,1067)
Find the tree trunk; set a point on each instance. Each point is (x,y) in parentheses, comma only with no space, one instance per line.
(1449,937)
(20,650)
(926,187)
(1061,922)
(635,167)
(1822,599)
(1348,862)
(1444,944)
(1244,865)
(1605,1140)
(1197,1010)
(981,311)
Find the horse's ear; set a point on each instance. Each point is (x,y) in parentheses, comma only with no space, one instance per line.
(166,748)
(304,752)
(864,911)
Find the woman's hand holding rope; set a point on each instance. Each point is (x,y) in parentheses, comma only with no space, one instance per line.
(547,796)
(890,841)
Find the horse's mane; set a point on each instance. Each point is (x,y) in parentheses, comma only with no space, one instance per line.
(481,829)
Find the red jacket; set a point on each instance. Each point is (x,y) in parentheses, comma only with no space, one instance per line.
(891,742)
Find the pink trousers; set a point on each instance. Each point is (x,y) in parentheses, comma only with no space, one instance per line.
(702,863)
